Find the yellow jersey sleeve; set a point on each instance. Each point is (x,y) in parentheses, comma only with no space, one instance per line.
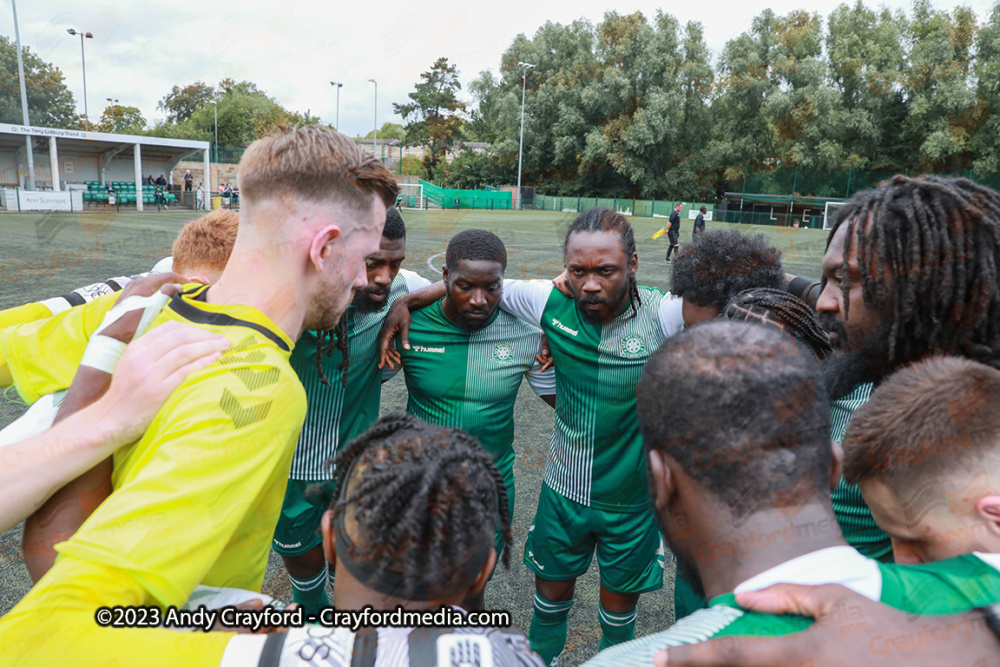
(29,312)
(55,624)
(196,500)
(41,357)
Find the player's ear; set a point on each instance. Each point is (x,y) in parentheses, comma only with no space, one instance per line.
(322,248)
(633,263)
(329,546)
(837,467)
(479,584)
(661,481)
(988,508)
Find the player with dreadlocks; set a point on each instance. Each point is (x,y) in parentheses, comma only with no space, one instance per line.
(778,307)
(910,271)
(338,410)
(411,527)
(595,494)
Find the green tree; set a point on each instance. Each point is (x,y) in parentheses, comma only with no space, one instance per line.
(50,103)
(182,102)
(411,166)
(866,61)
(937,84)
(433,116)
(983,126)
(389,131)
(122,120)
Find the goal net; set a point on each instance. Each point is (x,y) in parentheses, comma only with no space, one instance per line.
(411,196)
(830,213)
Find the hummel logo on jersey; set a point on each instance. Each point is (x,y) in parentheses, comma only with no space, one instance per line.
(562,327)
(435,350)
(633,345)
(503,352)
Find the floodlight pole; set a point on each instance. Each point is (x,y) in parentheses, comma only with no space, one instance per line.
(118,118)
(216,105)
(520,150)
(339,86)
(30,185)
(375,144)
(83,59)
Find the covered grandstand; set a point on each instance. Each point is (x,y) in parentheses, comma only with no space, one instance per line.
(68,161)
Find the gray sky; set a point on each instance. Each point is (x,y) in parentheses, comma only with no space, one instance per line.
(292,50)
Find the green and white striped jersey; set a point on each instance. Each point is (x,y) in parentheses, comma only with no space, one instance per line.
(336,414)
(595,458)
(855,519)
(946,587)
(470,380)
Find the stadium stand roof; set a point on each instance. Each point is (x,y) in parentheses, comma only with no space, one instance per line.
(70,158)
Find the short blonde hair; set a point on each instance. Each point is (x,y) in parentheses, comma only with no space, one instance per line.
(206,242)
(316,163)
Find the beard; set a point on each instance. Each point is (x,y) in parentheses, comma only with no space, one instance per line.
(590,316)
(472,325)
(364,303)
(854,363)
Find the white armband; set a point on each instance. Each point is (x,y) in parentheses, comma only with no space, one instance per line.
(103,353)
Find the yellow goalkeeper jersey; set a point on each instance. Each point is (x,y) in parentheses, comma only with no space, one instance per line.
(42,356)
(195,501)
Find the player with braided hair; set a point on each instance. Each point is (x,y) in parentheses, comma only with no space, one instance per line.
(910,271)
(595,495)
(775,306)
(410,526)
(340,409)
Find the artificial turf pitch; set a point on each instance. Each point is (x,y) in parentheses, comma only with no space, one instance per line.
(48,254)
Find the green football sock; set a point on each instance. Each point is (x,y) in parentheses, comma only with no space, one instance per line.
(616,628)
(311,592)
(547,634)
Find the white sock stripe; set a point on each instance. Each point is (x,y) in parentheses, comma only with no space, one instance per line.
(309,584)
(552,607)
(617,619)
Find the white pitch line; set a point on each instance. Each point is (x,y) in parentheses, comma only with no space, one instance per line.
(431,259)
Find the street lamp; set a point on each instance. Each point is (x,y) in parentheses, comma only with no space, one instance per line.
(30,184)
(520,150)
(339,86)
(83,59)
(375,144)
(118,118)
(216,105)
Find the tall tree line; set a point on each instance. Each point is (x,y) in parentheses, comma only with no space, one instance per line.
(635,107)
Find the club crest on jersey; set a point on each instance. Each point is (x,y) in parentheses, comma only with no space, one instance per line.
(503,352)
(633,345)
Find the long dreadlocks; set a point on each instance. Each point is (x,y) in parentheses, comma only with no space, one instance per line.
(606,220)
(766,304)
(425,499)
(937,240)
(335,338)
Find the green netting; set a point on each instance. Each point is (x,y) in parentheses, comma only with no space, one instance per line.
(454,198)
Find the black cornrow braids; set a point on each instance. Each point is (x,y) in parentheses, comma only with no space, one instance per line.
(607,220)
(766,304)
(938,239)
(337,338)
(429,487)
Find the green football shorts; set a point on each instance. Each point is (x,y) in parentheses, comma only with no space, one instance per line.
(298,530)
(564,534)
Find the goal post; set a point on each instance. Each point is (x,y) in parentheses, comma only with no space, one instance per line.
(830,213)
(411,196)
